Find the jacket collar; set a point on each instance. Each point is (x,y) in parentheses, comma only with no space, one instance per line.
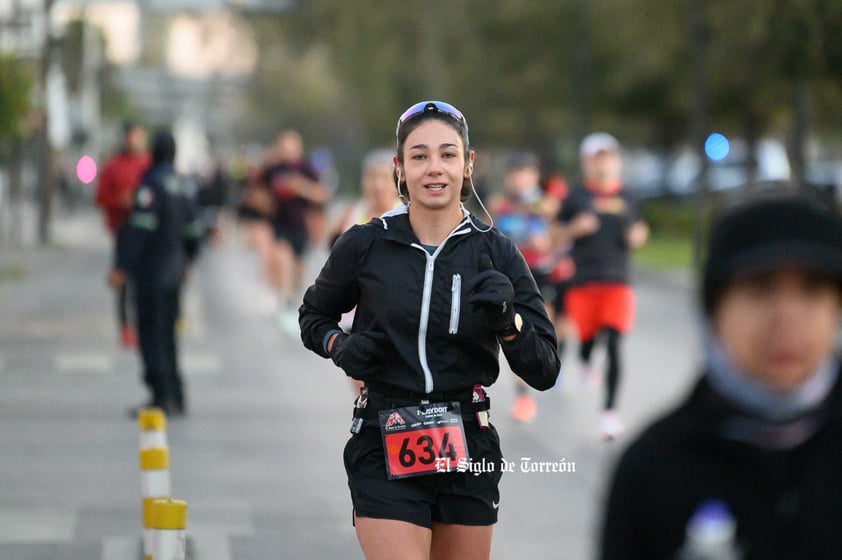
(713,417)
(396,226)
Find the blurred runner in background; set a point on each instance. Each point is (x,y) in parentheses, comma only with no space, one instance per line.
(295,187)
(602,219)
(115,196)
(522,214)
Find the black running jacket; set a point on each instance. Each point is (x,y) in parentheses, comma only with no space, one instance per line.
(438,341)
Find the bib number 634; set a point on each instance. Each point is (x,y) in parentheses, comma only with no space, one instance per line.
(423,451)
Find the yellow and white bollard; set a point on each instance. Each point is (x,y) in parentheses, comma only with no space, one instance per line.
(169,521)
(152,424)
(155,484)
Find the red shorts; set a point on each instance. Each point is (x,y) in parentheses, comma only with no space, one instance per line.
(595,306)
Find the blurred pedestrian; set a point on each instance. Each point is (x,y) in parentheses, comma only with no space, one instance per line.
(153,250)
(437,293)
(296,190)
(749,464)
(115,196)
(602,219)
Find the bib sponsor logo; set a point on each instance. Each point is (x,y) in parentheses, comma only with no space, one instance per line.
(395,422)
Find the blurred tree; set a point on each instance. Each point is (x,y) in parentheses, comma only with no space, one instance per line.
(16,123)
(16,82)
(71,55)
(540,75)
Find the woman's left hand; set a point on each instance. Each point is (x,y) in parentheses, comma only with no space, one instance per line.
(493,292)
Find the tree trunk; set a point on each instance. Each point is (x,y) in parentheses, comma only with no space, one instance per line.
(798,136)
(46,178)
(698,122)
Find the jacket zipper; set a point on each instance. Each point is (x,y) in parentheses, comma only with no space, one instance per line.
(455,302)
(424,321)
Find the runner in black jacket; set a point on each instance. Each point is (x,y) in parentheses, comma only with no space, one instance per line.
(437,293)
(753,458)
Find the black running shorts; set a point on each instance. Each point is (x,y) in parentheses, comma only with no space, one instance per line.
(463,498)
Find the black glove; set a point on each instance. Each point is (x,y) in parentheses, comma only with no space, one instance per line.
(493,291)
(360,355)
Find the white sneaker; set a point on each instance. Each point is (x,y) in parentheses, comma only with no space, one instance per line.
(590,376)
(267,302)
(288,322)
(610,426)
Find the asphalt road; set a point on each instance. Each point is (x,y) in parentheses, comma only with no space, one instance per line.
(258,460)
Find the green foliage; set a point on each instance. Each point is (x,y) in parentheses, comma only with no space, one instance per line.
(669,217)
(664,252)
(15,94)
(539,75)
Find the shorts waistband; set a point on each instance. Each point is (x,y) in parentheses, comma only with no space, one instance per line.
(393,397)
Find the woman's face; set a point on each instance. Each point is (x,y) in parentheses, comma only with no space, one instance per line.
(434,165)
(778,326)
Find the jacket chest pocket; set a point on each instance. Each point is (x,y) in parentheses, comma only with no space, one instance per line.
(455,303)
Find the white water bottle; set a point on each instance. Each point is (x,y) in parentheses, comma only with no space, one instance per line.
(711,534)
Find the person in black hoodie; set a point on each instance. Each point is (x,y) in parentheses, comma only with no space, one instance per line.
(750,465)
(437,295)
(161,238)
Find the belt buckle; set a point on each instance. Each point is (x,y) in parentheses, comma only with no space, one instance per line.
(479,396)
(359,406)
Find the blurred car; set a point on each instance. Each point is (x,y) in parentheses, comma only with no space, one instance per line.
(678,176)
(827,173)
(684,177)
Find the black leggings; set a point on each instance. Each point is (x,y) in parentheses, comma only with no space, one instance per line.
(123,302)
(612,377)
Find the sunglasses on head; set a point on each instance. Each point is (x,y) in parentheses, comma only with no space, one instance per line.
(424,106)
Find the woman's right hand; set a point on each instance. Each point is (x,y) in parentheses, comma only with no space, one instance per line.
(360,355)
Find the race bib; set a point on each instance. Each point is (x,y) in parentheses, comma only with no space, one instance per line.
(423,439)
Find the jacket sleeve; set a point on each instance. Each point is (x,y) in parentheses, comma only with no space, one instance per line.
(335,290)
(532,354)
(135,234)
(107,193)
